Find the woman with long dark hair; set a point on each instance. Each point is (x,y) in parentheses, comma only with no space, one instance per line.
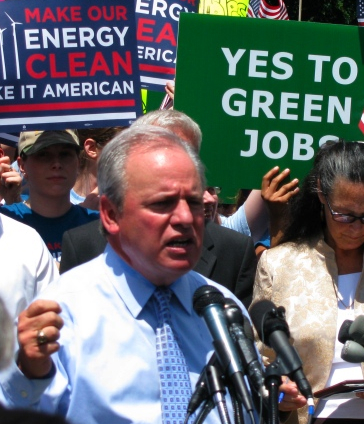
(316,272)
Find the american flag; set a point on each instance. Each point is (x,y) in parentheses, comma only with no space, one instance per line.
(360,12)
(261,9)
(361,123)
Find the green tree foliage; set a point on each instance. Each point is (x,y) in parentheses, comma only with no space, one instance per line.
(328,11)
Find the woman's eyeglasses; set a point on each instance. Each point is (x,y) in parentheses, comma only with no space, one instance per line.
(343,217)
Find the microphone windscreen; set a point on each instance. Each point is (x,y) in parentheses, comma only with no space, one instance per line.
(205,296)
(344,335)
(258,314)
(356,330)
(352,352)
(267,319)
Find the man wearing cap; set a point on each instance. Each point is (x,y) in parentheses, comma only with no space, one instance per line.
(49,163)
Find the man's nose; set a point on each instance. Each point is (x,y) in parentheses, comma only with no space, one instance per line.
(56,161)
(208,197)
(182,214)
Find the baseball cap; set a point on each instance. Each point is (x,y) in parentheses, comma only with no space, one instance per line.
(31,142)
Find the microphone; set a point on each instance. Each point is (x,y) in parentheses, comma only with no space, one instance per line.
(344,335)
(272,328)
(201,392)
(352,330)
(356,330)
(217,392)
(242,334)
(209,302)
(352,352)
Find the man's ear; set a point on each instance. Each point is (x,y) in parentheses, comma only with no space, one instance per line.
(319,192)
(109,215)
(21,165)
(1,153)
(90,148)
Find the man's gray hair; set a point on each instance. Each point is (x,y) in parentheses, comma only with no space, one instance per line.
(6,336)
(177,122)
(111,174)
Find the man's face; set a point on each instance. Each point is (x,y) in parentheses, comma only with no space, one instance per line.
(160,229)
(210,202)
(52,171)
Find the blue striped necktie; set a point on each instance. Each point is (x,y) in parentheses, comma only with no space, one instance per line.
(175,384)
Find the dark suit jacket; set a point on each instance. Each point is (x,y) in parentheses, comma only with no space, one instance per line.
(228,257)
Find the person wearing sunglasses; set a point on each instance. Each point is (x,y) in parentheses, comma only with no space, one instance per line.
(316,273)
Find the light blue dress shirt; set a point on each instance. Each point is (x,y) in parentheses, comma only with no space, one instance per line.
(237,221)
(106,371)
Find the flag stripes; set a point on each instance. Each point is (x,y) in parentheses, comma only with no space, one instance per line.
(261,9)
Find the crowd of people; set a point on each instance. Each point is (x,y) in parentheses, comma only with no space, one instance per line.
(126,217)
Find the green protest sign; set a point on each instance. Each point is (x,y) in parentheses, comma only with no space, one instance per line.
(267,92)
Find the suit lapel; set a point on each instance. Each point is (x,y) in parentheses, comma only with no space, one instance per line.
(207,261)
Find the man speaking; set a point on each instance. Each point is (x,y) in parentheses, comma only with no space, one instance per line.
(93,348)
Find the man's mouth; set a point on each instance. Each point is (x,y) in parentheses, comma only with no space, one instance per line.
(179,243)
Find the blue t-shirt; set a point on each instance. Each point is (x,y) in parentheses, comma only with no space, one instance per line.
(264,241)
(50,229)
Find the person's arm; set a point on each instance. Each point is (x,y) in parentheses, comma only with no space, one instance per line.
(237,221)
(259,249)
(265,208)
(276,196)
(252,218)
(257,215)
(34,370)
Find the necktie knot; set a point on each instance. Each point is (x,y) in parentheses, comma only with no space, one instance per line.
(163,296)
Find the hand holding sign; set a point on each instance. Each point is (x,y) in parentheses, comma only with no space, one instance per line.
(276,195)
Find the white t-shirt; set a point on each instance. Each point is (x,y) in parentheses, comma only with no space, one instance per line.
(26,266)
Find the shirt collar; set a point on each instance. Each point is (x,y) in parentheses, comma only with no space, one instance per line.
(183,291)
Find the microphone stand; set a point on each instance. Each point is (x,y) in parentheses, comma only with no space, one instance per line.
(237,407)
(273,380)
(208,405)
(216,390)
(216,397)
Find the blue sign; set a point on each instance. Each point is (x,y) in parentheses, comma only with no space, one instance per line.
(157,29)
(68,64)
